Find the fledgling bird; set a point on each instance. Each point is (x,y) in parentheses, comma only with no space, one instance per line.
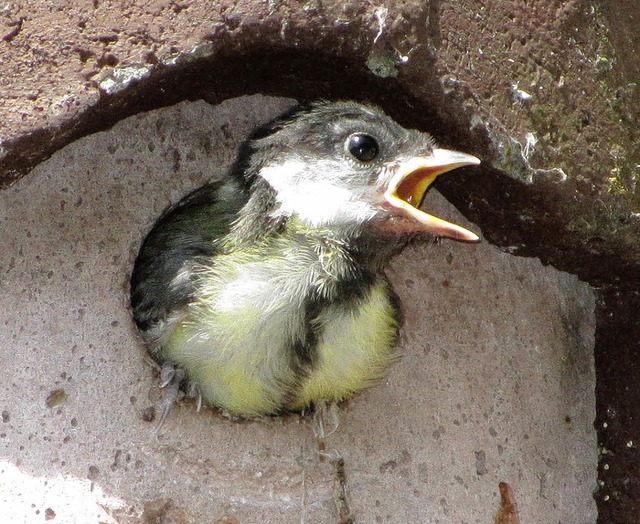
(265,292)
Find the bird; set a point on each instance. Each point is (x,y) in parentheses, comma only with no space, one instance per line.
(265,293)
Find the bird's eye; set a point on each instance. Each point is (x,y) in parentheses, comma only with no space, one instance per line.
(363,147)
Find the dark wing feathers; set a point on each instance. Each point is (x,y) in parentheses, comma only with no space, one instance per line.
(163,277)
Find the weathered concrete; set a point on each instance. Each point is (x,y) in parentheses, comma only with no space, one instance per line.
(495,384)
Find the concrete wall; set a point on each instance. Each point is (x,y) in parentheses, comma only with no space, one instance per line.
(496,382)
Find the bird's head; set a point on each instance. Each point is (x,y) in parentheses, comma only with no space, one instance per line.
(346,166)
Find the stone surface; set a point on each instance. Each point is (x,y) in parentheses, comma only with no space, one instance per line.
(495,384)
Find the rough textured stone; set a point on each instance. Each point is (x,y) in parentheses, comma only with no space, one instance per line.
(546,93)
(495,384)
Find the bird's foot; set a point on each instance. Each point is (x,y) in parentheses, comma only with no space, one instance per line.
(194,391)
(171,377)
(326,419)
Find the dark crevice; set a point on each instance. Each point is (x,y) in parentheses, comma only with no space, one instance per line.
(617,355)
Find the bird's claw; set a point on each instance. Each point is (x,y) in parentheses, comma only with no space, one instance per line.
(194,391)
(167,374)
(171,377)
(325,414)
(326,419)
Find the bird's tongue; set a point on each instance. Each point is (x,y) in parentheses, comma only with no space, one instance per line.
(408,186)
(414,185)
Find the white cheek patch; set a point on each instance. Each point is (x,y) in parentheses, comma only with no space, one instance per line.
(316,202)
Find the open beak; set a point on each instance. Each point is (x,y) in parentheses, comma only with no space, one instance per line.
(411,181)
